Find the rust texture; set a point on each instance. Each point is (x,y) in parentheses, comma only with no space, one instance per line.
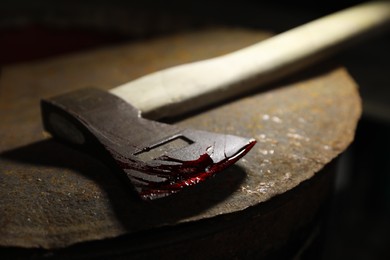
(53,196)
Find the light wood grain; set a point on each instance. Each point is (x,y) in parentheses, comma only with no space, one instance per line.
(186,87)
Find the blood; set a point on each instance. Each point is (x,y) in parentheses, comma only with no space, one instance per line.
(180,175)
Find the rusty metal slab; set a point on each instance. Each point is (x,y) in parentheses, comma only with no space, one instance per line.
(53,196)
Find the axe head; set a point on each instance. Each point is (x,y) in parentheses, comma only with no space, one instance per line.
(158,159)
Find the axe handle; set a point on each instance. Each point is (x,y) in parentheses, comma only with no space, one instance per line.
(190,86)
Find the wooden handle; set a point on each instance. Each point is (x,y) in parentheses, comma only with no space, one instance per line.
(186,87)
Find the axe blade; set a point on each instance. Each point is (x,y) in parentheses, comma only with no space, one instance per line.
(158,159)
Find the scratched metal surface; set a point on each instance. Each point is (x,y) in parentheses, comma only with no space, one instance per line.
(53,196)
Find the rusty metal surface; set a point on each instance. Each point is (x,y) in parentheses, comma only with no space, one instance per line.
(53,196)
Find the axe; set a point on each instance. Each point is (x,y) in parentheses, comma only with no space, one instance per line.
(160,159)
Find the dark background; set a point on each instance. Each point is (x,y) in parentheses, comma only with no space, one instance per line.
(359,223)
